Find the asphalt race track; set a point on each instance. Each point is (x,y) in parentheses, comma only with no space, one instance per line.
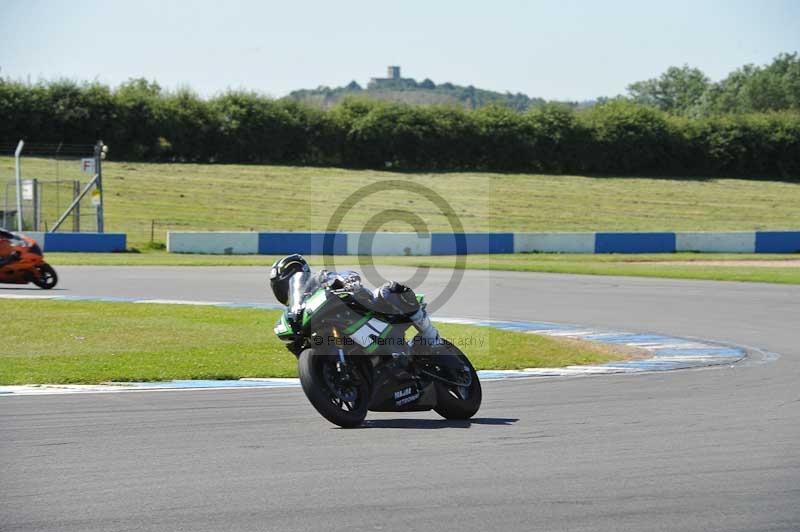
(710,449)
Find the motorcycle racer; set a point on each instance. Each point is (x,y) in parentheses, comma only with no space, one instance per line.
(353,349)
(292,281)
(7,252)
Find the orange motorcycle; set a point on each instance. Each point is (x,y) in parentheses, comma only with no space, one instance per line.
(22,262)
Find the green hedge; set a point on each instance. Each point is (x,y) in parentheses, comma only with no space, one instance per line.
(141,122)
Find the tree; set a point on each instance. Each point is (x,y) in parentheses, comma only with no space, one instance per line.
(678,90)
(427,83)
(752,88)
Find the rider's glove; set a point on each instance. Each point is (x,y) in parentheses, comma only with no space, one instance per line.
(293,317)
(294,312)
(397,288)
(406,299)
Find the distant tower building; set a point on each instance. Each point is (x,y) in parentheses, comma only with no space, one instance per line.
(391,79)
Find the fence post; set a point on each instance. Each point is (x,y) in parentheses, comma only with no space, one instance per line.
(18,171)
(6,223)
(37,207)
(98,158)
(76,214)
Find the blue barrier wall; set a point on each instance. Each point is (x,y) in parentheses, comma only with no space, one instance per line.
(304,243)
(84,242)
(465,243)
(778,242)
(319,243)
(634,243)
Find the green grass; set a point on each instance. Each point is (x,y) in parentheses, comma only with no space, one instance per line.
(91,342)
(638,265)
(251,197)
(245,197)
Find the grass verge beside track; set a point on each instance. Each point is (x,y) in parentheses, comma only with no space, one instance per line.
(93,342)
(783,269)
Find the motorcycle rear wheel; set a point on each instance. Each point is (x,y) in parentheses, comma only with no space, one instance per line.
(340,399)
(47,278)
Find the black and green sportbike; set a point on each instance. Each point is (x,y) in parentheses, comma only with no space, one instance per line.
(353,355)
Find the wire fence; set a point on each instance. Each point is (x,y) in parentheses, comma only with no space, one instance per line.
(52,177)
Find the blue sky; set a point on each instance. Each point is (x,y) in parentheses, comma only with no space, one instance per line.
(556,50)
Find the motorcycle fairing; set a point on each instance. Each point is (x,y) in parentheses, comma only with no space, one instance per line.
(396,390)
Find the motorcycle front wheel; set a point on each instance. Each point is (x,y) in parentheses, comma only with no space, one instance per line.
(47,277)
(340,395)
(458,402)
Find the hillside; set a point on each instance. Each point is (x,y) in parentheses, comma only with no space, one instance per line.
(410,91)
